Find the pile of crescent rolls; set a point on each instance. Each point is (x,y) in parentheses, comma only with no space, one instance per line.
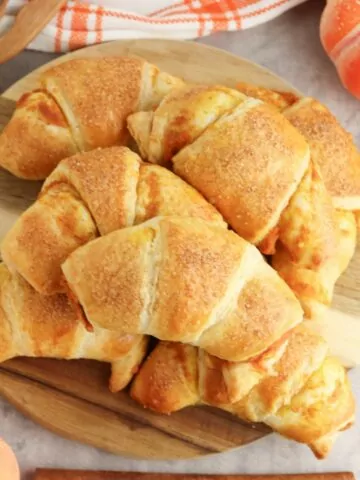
(222,229)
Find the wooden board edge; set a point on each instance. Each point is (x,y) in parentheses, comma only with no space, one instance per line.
(128,47)
(132,412)
(84,422)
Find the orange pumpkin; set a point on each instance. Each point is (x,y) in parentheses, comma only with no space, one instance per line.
(340,36)
(9,468)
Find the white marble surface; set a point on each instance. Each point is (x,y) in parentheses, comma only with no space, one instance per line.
(290,47)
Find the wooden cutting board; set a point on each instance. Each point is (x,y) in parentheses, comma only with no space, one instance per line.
(72,398)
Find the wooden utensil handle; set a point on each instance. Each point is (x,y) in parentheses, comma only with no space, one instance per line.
(49,474)
(29,22)
(3,5)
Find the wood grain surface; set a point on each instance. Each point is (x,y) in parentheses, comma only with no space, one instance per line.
(72,398)
(74,401)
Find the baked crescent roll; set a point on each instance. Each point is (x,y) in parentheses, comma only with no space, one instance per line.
(316,244)
(247,159)
(295,388)
(243,156)
(82,104)
(312,276)
(33,325)
(179,119)
(93,194)
(332,147)
(183,280)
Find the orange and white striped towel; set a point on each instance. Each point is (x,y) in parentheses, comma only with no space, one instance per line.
(81,23)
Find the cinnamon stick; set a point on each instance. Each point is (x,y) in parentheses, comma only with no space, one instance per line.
(49,474)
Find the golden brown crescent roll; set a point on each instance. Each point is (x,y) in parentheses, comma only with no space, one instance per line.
(92,194)
(184,280)
(248,160)
(296,388)
(312,276)
(33,325)
(316,244)
(332,147)
(242,155)
(82,104)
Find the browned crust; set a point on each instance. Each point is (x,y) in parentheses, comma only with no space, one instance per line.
(106,181)
(309,399)
(205,259)
(108,276)
(325,414)
(124,369)
(308,226)
(332,147)
(161,193)
(35,325)
(316,243)
(166,277)
(45,235)
(169,378)
(279,100)
(247,164)
(188,112)
(304,353)
(82,104)
(36,138)
(266,309)
(88,194)
(99,93)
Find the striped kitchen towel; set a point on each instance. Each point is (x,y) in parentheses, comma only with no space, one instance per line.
(81,23)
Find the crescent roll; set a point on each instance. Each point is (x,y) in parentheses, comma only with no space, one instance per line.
(88,195)
(295,388)
(80,105)
(184,280)
(33,325)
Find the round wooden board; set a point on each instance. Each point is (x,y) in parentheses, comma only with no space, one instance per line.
(72,398)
